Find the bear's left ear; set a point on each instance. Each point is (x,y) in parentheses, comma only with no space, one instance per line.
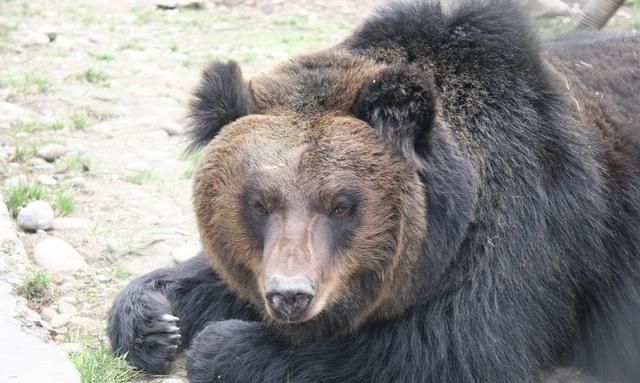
(399,102)
(221,98)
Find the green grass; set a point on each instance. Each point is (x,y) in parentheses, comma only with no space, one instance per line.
(94,76)
(80,119)
(142,176)
(120,273)
(29,83)
(103,56)
(99,365)
(75,162)
(632,3)
(63,202)
(25,126)
(56,126)
(36,288)
(20,195)
(23,151)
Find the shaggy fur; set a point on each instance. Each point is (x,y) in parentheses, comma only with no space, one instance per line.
(495,235)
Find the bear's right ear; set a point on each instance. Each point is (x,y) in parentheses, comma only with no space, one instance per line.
(221,98)
(399,102)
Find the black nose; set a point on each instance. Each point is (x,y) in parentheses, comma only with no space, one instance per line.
(289,297)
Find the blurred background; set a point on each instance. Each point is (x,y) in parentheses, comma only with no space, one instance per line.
(93,96)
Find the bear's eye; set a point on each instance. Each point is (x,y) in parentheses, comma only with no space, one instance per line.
(259,209)
(340,211)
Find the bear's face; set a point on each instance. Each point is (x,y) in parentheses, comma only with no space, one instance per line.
(309,219)
(307,195)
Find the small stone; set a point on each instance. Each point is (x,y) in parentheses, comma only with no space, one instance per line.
(113,245)
(69,223)
(34,39)
(15,181)
(37,215)
(51,152)
(172,128)
(71,348)
(59,320)
(185,252)
(67,308)
(78,182)
(86,323)
(57,256)
(46,180)
(102,278)
(48,313)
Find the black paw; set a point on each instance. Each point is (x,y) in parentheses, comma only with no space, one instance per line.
(142,328)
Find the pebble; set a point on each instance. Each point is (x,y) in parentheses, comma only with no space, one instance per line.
(78,182)
(48,313)
(46,180)
(86,323)
(34,39)
(67,308)
(37,215)
(51,152)
(185,252)
(112,245)
(60,320)
(57,256)
(69,223)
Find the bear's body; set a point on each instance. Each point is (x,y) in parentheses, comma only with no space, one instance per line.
(483,221)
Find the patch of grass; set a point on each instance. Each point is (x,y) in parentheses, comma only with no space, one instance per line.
(63,202)
(23,151)
(292,21)
(120,273)
(141,176)
(19,196)
(103,56)
(100,365)
(80,119)
(632,3)
(94,76)
(75,162)
(37,288)
(56,126)
(26,126)
(30,83)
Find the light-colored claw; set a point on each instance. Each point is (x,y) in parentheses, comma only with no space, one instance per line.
(173,329)
(170,318)
(175,336)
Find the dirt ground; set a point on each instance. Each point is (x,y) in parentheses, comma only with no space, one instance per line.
(110,81)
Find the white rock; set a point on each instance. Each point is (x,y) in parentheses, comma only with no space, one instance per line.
(70,223)
(112,245)
(48,313)
(60,320)
(11,112)
(67,308)
(51,152)
(26,359)
(86,323)
(78,182)
(34,39)
(57,256)
(15,181)
(37,215)
(46,180)
(185,252)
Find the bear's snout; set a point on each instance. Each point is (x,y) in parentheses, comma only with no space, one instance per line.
(289,297)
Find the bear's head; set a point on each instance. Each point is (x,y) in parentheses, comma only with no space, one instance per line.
(308,193)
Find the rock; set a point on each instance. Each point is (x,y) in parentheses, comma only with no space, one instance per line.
(15,181)
(86,323)
(172,128)
(71,348)
(25,358)
(69,223)
(184,252)
(41,165)
(51,152)
(48,313)
(46,180)
(37,215)
(57,256)
(34,39)
(68,299)
(78,182)
(11,112)
(67,308)
(60,320)
(102,278)
(112,245)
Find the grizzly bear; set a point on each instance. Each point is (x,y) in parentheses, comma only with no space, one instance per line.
(438,198)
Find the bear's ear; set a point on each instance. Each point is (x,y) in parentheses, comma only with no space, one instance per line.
(399,102)
(221,97)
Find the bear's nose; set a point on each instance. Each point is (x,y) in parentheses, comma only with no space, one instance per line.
(289,297)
